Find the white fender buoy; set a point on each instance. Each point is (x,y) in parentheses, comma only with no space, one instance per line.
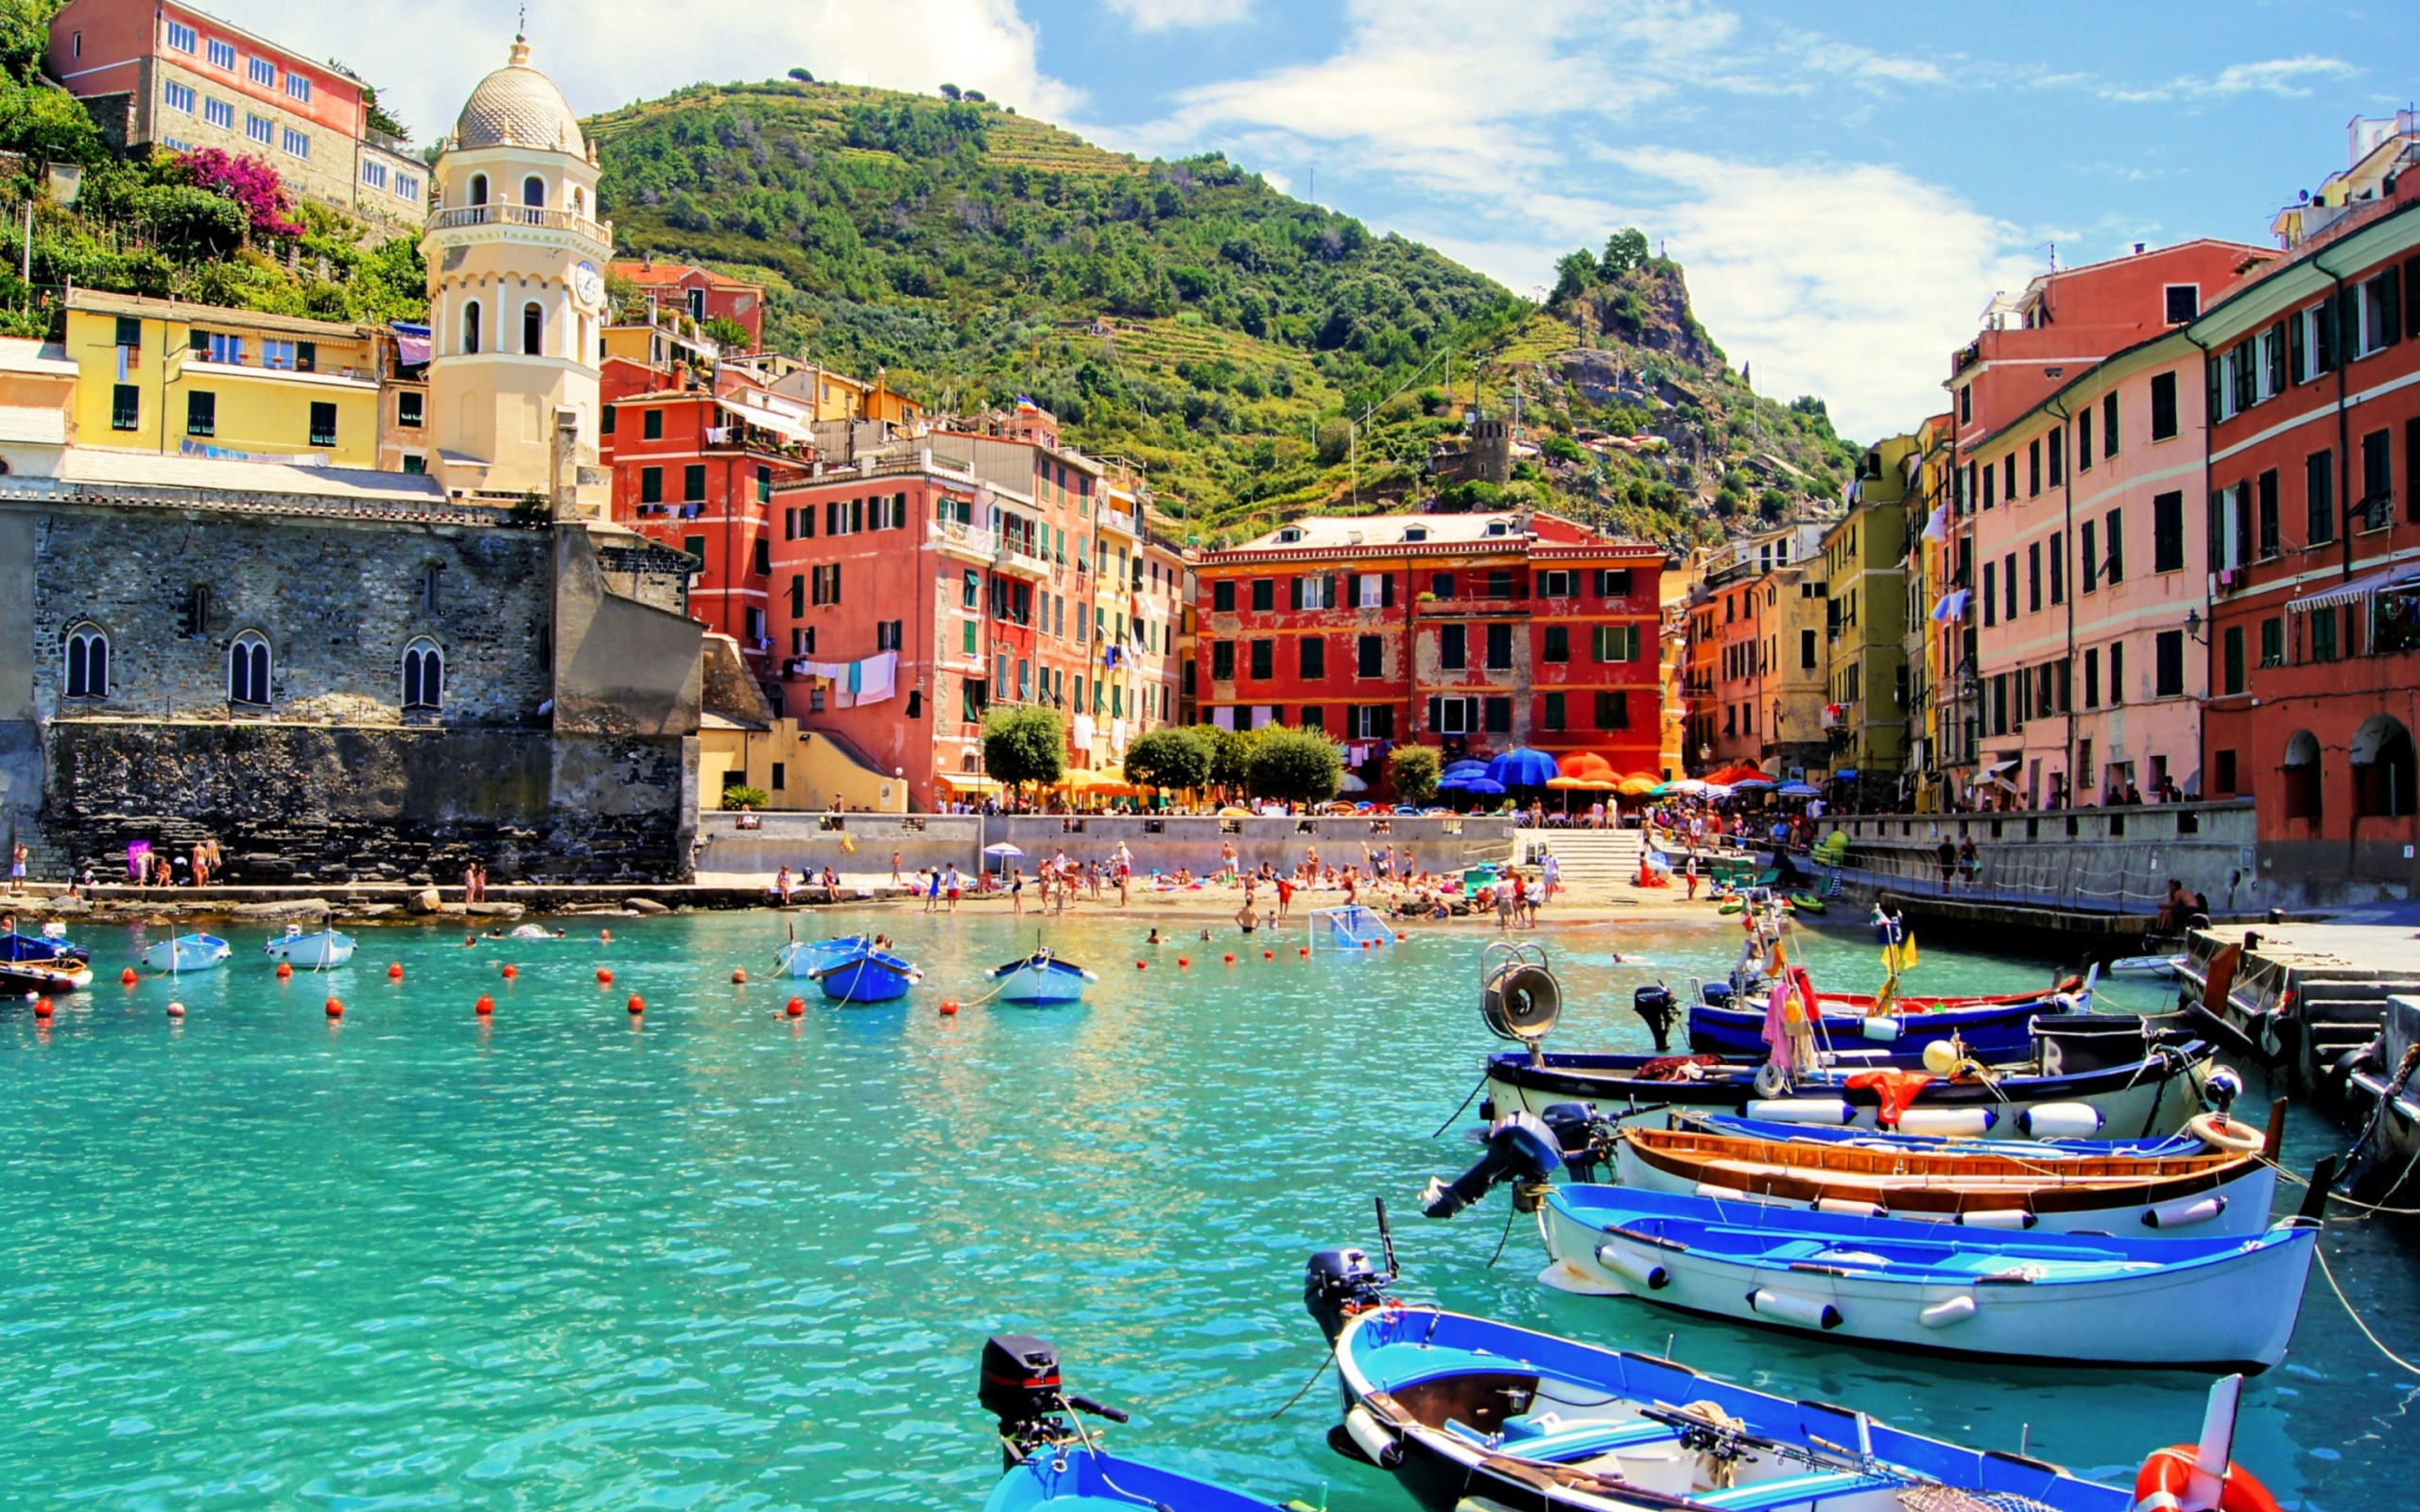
(1848,1208)
(1719,1193)
(2061,1121)
(1952,1310)
(1373,1438)
(1881,1027)
(1801,1110)
(1634,1269)
(2185,1211)
(1956,1122)
(1997,1218)
(1806,1312)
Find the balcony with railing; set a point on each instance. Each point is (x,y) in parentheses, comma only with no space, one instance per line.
(461,217)
(967,543)
(1016,562)
(1117,520)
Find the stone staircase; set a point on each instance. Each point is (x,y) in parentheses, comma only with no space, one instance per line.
(1593,862)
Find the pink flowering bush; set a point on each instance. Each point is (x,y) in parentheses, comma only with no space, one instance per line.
(248,182)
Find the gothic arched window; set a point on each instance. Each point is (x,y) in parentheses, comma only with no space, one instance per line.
(248,669)
(424,674)
(87,673)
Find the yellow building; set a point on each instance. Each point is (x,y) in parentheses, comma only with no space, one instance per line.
(794,768)
(165,376)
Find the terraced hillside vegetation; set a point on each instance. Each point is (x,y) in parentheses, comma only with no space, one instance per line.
(1261,356)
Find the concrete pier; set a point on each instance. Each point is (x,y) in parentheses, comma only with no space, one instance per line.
(2307,994)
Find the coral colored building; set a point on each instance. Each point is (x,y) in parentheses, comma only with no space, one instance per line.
(1474,632)
(698,293)
(1737,604)
(2314,536)
(695,467)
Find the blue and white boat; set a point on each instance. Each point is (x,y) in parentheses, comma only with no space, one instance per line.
(1469,1413)
(1041,980)
(187,952)
(41,950)
(1055,1466)
(1991,1028)
(804,958)
(318,950)
(1353,925)
(2217,1303)
(864,975)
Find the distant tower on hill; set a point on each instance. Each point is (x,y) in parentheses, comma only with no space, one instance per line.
(516,293)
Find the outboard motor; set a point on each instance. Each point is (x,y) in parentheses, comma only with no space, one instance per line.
(1716,995)
(1654,1005)
(1584,1136)
(1339,1283)
(1520,1149)
(1020,1387)
(2220,1090)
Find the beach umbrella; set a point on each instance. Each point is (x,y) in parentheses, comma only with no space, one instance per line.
(1484,786)
(1689,785)
(1351,784)
(1466,768)
(1801,790)
(1755,785)
(1587,764)
(1664,790)
(1001,852)
(1522,767)
(1716,790)
(1456,781)
(1569,784)
(1638,787)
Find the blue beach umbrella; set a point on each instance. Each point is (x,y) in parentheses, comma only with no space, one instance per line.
(1467,769)
(1483,786)
(1801,790)
(1523,767)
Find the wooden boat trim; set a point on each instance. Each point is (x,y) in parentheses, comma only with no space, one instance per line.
(2049,1192)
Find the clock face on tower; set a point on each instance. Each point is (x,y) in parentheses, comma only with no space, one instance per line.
(588,286)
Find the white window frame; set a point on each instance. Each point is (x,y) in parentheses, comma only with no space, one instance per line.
(424,651)
(218,50)
(176,96)
(183,37)
(260,128)
(255,648)
(298,86)
(295,143)
(218,113)
(77,646)
(373,173)
(263,72)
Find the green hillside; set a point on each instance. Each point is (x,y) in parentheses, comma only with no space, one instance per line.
(1263,357)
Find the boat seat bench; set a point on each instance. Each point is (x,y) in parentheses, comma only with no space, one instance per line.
(1559,1442)
(1795,1490)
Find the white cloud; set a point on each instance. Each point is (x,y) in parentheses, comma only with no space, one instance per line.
(1852,282)
(424,58)
(1160,15)
(2289,77)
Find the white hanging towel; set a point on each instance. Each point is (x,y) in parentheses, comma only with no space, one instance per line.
(875,679)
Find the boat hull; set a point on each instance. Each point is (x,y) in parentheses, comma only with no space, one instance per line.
(29,950)
(2219,1305)
(33,979)
(1992,1030)
(1072,1479)
(2203,1197)
(2140,1100)
(866,978)
(320,952)
(187,952)
(803,959)
(1042,986)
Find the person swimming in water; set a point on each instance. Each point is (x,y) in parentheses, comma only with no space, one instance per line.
(1155,936)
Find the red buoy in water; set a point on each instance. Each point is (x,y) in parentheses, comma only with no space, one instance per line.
(127,977)
(176,1011)
(510,972)
(604,977)
(949,1008)
(1399,936)
(1365,944)
(286,971)
(336,1008)
(484,1006)
(1231,957)
(395,972)
(1306,951)
(1268,956)
(638,1004)
(739,974)
(795,1007)
(41,1008)
(1183,961)
(1142,966)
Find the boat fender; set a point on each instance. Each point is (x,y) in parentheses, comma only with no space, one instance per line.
(1718,1194)
(2185,1211)
(1801,1110)
(1881,1027)
(1997,1218)
(2164,1484)
(1771,1081)
(1948,1310)
(1639,1273)
(1969,1121)
(1848,1208)
(2220,1132)
(2069,1002)
(1520,1148)
(2059,1121)
(1789,1307)
(1373,1439)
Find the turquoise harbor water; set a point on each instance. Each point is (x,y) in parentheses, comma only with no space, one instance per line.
(730,1260)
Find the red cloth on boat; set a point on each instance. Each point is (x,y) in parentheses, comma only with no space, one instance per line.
(1896,1089)
(1674,1068)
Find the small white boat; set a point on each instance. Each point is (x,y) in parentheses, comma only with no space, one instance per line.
(1041,980)
(318,950)
(2159,968)
(187,952)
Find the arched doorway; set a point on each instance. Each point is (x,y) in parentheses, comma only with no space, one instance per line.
(2302,777)
(2382,761)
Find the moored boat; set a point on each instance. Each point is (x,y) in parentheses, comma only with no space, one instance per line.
(2215,1303)
(1995,1184)
(864,975)
(1991,1028)
(317,951)
(805,957)
(1468,1413)
(187,952)
(43,979)
(1053,1465)
(41,949)
(1041,980)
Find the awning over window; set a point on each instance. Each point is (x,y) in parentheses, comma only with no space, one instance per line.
(2401,574)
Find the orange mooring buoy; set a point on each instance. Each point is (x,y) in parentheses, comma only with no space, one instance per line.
(638,1004)
(739,975)
(1142,966)
(127,977)
(1183,961)
(286,971)
(949,1008)
(510,972)
(795,1007)
(336,1008)
(1306,951)
(604,977)
(395,972)
(1268,956)
(484,1006)
(41,1008)
(176,1011)
(1231,957)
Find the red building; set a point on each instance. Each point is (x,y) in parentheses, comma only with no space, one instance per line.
(1474,632)
(701,294)
(695,465)
(2314,530)
(951,571)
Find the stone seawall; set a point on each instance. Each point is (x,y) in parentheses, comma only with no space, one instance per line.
(307,804)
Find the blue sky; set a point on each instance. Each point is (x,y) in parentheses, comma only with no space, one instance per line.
(1847,184)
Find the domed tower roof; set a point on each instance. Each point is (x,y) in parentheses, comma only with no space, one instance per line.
(518,106)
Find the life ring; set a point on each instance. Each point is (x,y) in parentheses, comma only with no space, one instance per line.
(1806,903)
(2161,1484)
(2220,1133)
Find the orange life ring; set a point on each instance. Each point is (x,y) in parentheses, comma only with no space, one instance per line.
(2162,1483)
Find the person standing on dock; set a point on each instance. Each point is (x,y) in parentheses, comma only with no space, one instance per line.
(17,866)
(1949,861)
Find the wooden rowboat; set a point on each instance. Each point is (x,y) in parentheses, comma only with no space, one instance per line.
(2209,1193)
